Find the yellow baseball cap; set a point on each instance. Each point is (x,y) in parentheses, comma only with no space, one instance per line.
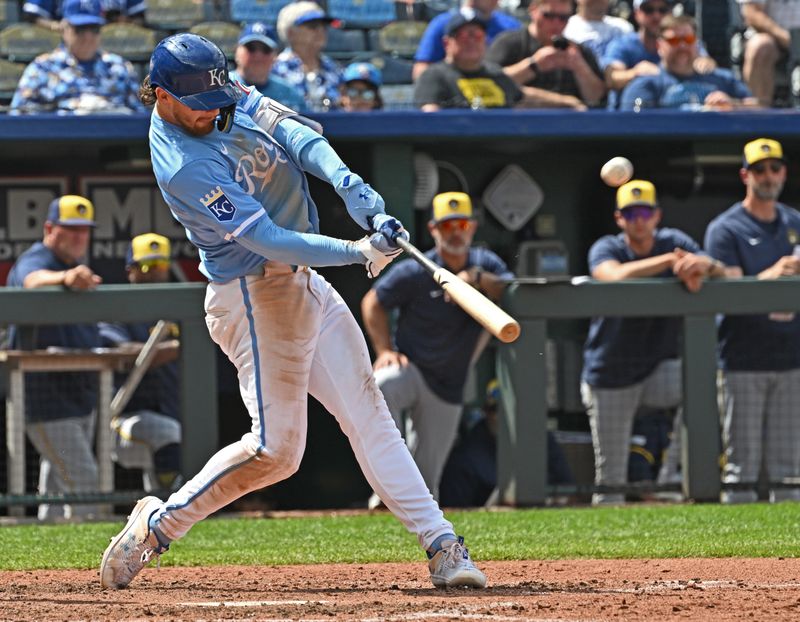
(71,210)
(148,246)
(762,149)
(636,192)
(450,205)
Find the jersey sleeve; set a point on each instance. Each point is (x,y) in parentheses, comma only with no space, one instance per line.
(720,245)
(642,89)
(25,265)
(602,250)
(492,263)
(684,241)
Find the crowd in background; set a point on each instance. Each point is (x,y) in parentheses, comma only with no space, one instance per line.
(549,54)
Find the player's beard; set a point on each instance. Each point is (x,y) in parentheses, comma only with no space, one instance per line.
(200,128)
(455,245)
(768,190)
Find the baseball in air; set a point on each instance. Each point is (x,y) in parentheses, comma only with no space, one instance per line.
(617,171)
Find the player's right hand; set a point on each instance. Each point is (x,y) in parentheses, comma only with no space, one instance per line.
(81,277)
(378,251)
(390,358)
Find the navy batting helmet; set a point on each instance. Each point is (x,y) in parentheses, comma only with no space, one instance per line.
(194,71)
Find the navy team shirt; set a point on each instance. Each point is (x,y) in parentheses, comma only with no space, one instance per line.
(620,352)
(755,342)
(437,336)
(54,395)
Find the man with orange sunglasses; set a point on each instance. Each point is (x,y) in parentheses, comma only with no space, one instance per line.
(422,368)
(678,84)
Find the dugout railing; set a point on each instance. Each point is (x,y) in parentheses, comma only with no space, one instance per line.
(177,302)
(522,368)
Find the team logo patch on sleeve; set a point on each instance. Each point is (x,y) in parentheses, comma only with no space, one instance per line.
(219,205)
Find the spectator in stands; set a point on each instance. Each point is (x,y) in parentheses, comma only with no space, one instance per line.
(431,45)
(463,79)
(636,54)
(633,362)
(78,77)
(563,74)
(302,26)
(361,88)
(759,354)
(677,84)
(423,367)
(147,434)
(769,25)
(49,13)
(592,27)
(470,475)
(60,406)
(255,55)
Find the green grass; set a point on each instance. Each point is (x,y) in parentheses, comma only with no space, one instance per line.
(757,530)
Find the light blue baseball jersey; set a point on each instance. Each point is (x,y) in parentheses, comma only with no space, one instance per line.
(243,196)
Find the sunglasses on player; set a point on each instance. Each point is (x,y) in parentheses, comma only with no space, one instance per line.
(760,167)
(454,224)
(675,40)
(645,212)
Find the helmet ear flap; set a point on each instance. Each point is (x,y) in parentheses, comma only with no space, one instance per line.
(225,118)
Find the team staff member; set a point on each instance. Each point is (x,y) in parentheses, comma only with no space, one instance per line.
(422,368)
(60,406)
(147,434)
(759,354)
(633,362)
(287,331)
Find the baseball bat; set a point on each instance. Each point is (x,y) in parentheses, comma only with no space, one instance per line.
(484,311)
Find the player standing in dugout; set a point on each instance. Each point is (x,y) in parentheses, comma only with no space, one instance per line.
(231,166)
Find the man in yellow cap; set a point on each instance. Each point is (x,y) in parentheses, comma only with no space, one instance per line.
(60,406)
(759,354)
(633,362)
(423,367)
(147,434)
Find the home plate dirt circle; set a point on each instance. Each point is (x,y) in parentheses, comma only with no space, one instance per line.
(570,590)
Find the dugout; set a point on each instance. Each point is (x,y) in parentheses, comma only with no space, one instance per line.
(693,159)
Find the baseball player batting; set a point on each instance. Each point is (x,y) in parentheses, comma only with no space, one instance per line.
(231,166)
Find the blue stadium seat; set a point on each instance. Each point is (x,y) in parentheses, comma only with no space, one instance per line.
(9,12)
(401,38)
(345,44)
(257,10)
(178,14)
(131,41)
(363,13)
(24,42)
(224,34)
(393,70)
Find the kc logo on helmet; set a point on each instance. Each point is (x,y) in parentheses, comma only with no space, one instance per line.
(219,205)
(218,76)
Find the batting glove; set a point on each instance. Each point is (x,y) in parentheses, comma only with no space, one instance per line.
(361,200)
(378,251)
(390,227)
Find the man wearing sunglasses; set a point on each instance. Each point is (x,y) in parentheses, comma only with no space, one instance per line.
(78,76)
(422,368)
(633,362)
(677,84)
(255,54)
(147,434)
(560,73)
(759,354)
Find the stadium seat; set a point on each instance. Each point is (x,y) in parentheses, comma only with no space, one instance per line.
(397,96)
(9,12)
(177,14)
(24,42)
(10,73)
(257,10)
(393,70)
(224,34)
(363,13)
(131,41)
(344,45)
(401,38)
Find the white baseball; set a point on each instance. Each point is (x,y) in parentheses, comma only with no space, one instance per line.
(617,171)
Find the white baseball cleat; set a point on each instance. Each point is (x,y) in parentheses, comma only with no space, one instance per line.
(133,548)
(452,567)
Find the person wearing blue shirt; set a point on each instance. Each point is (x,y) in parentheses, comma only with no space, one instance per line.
(60,406)
(633,362)
(759,355)
(231,165)
(431,47)
(422,367)
(677,84)
(254,56)
(147,433)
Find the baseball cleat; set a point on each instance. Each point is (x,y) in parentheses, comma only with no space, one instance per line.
(452,567)
(133,548)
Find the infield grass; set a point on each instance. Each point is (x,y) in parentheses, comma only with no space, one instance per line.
(647,531)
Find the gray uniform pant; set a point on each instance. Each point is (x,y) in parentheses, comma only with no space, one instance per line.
(760,420)
(67,462)
(611,413)
(433,421)
(137,436)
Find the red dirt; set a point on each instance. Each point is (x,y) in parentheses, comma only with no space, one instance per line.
(652,590)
